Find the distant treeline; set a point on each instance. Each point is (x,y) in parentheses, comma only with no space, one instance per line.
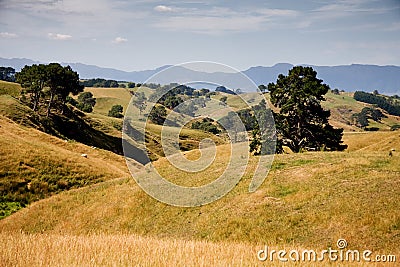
(100,83)
(386,103)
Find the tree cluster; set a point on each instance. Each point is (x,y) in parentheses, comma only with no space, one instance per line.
(386,103)
(158,114)
(259,121)
(48,85)
(207,125)
(7,74)
(361,119)
(116,111)
(131,85)
(98,82)
(86,102)
(172,96)
(174,91)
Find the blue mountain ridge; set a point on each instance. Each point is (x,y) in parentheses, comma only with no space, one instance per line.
(385,79)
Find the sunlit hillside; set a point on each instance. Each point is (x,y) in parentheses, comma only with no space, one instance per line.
(95,213)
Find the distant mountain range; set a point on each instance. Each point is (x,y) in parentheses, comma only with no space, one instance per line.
(385,79)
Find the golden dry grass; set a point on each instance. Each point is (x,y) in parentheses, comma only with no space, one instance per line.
(10,88)
(107,97)
(119,250)
(21,249)
(307,200)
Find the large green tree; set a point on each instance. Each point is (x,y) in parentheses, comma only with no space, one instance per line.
(301,122)
(33,79)
(51,83)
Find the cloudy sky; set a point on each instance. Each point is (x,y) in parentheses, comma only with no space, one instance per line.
(145,34)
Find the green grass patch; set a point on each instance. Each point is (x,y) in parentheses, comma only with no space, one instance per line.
(7,208)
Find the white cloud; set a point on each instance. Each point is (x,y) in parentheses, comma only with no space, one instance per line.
(278,12)
(8,35)
(217,20)
(58,36)
(162,8)
(120,40)
(212,25)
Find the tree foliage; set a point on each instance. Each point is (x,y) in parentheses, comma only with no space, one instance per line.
(49,85)
(139,101)
(301,122)
(206,125)
(157,114)
(98,82)
(262,88)
(86,102)
(361,119)
(116,111)
(223,89)
(386,103)
(7,74)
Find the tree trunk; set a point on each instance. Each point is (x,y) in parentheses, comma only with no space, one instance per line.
(36,101)
(50,103)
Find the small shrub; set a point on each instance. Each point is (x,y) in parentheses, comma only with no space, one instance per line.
(116,111)
(395,127)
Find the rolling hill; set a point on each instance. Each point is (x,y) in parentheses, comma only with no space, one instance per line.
(102,217)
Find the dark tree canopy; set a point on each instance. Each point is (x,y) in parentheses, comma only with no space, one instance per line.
(157,114)
(33,79)
(7,74)
(302,123)
(86,102)
(98,82)
(223,89)
(49,85)
(116,111)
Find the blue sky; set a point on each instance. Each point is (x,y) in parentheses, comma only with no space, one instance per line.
(145,34)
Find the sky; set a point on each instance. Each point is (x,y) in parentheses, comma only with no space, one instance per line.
(146,34)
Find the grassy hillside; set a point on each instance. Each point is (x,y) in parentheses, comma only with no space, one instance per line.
(9,88)
(101,217)
(342,108)
(35,165)
(308,200)
(107,97)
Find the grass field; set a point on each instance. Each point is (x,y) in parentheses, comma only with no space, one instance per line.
(308,200)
